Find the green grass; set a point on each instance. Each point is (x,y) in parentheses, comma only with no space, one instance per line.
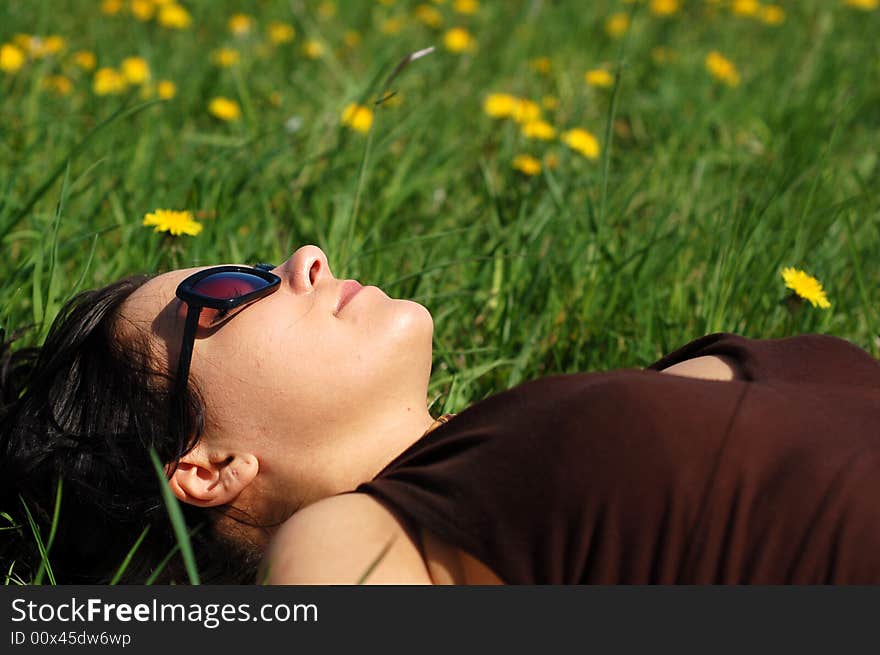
(703,192)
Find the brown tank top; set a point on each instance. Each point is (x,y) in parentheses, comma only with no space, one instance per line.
(634,477)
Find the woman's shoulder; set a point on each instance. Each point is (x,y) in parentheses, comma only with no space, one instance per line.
(802,358)
(348,538)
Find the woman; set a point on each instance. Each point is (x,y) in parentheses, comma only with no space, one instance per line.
(289,409)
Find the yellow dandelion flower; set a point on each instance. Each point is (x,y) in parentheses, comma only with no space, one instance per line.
(58,84)
(500,105)
(172,221)
(12,58)
(51,45)
(108,81)
(280,32)
(240,24)
(392,25)
(542,65)
(38,47)
(429,16)
(550,102)
(538,130)
(617,25)
(865,5)
(357,117)
(135,69)
(466,7)
(351,38)
(599,77)
(275,99)
(55,44)
(745,7)
(527,165)
(458,39)
(174,16)
(111,7)
(805,286)
(771,14)
(722,69)
(313,49)
(85,59)
(326,10)
(143,10)
(582,141)
(526,111)
(225,57)
(224,109)
(166,89)
(551,160)
(26,42)
(664,7)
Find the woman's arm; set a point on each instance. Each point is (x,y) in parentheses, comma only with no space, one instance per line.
(335,541)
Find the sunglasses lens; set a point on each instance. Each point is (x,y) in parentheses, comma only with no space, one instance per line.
(229,284)
(224,285)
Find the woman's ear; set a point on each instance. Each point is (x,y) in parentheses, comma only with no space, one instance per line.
(207,478)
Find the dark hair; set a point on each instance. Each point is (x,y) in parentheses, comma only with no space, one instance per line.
(86,408)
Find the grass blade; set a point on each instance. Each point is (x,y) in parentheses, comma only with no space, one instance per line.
(52,529)
(50,304)
(125,562)
(12,524)
(376,561)
(10,578)
(44,555)
(161,566)
(176,516)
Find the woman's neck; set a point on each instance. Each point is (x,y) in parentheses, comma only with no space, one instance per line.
(381,442)
(345,464)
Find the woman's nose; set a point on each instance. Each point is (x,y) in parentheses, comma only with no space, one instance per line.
(306,267)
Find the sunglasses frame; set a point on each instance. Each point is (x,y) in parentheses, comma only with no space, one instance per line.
(196,301)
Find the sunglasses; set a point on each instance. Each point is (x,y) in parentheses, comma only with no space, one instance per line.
(213,296)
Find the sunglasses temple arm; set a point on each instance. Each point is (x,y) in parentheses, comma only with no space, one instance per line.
(186,348)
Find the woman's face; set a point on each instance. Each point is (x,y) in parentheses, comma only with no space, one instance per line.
(294,366)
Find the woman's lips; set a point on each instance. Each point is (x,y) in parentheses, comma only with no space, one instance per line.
(349,289)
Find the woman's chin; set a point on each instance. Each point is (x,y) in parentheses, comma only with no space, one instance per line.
(419,316)
(412,330)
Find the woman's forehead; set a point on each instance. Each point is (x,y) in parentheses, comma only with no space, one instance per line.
(152,307)
(160,290)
